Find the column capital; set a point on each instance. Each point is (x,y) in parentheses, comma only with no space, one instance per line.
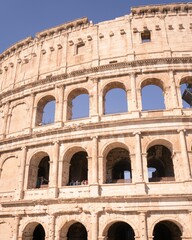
(181,130)
(136,133)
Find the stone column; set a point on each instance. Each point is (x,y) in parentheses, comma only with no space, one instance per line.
(94,100)
(133,92)
(173,90)
(52,228)
(184,154)
(95,160)
(5,117)
(138,157)
(145,169)
(31,113)
(16,232)
(143,226)
(102,170)
(59,104)
(22,172)
(54,168)
(94,226)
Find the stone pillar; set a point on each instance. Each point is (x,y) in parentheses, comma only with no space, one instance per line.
(54,168)
(94,99)
(94,226)
(145,169)
(31,113)
(138,157)
(59,104)
(22,172)
(143,226)
(95,160)
(16,232)
(184,154)
(52,228)
(102,170)
(5,117)
(133,92)
(175,102)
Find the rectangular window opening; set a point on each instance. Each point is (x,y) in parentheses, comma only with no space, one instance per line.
(146,36)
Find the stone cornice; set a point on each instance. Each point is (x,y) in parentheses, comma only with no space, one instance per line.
(99,69)
(162,9)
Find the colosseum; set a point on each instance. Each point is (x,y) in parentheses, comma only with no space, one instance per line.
(106,173)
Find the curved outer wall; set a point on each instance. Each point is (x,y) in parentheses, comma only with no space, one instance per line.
(81,57)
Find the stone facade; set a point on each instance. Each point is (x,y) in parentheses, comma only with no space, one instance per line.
(89,178)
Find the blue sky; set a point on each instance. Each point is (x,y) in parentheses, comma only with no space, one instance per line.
(21,18)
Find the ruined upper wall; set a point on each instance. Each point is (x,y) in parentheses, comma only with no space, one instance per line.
(82,45)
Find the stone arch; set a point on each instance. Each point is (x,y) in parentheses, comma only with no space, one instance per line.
(161,141)
(119,89)
(170,222)
(110,145)
(75,93)
(34,228)
(70,157)
(67,227)
(159,161)
(38,175)
(158,87)
(17,121)
(117,163)
(186,91)
(9,179)
(41,114)
(110,223)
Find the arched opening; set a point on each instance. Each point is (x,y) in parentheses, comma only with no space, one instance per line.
(39,233)
(152,98)
(45,111)
(115,101)
(120,231)
(160,164)
(78,104)
(186,92)
(34,231)
(43,173)
(38,176)
(118,166)
(78,173)
(166,230)
(77,231)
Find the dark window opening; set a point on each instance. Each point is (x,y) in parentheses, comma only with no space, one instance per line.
(120,230)
(78,173)
(118,167)
(43,173)
(39,233)
(166,230)
(145,36)
(186,92)
(160,165)
(77,231)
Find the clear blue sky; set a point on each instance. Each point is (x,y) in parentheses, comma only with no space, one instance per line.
(22,18)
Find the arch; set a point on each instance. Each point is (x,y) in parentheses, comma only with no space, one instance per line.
(118,166)
(34,231)
(76,99)
(18,117)
(168,230)
(160,141)
(6,231)
(73,230)
(75,166)
(186,91)
(45,113)
(160,164)
(38,175)
(152,94)
(110,145)
(119,230)
(114,98)
(9,173)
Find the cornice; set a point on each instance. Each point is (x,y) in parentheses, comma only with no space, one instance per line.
(100,69)
(174,8)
